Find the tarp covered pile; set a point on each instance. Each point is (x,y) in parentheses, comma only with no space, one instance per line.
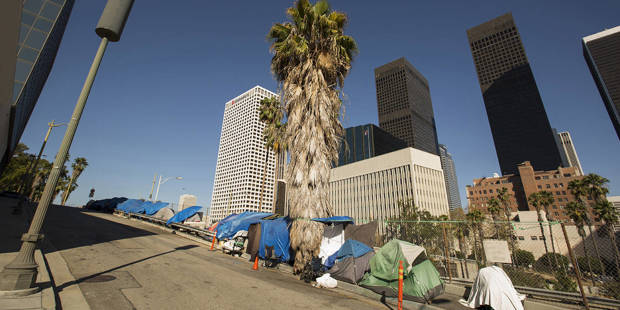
(105,205)
(183,215)
(494,288)
(421,280)
(229,226)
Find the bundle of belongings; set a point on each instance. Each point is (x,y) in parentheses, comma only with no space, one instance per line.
(164,214)
(421,279)
(184,214)
(493,288)
(105,205)
(351,261)
(235,244)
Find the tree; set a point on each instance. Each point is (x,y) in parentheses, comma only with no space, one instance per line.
(546,200)
(16,169)
(475,218)
(504,199)
(535,200)
(78,166)
(311,58)
(607,213)
(494,208)
(580,189)
(271,114)
(576,210)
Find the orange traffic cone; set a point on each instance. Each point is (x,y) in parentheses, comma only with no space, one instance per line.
(255,267)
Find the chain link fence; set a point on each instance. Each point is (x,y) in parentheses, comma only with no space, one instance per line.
(533,255)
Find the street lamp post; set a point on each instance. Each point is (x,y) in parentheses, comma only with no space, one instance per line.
(21,273)
(162,182)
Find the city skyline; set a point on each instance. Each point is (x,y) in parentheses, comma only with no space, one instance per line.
(153,125)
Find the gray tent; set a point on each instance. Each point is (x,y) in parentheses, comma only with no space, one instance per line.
(365,234)
(351,269)
(164,214)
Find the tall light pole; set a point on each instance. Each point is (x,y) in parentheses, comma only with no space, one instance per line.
(162,182)
(21,273)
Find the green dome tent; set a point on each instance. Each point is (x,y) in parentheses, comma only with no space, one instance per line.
(421,281)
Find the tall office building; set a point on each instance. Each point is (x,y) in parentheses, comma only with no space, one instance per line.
(404,105)
(567,150)
(241,159)
(41,27)
(449,175)
(602,53)
(519,123)
(366,141)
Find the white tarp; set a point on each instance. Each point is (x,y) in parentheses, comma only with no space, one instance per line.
(333,239)
(493,288)
(411,252)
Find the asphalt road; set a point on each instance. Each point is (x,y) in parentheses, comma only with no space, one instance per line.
(123,264)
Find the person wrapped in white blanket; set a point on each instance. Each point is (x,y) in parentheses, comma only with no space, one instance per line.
(494,289)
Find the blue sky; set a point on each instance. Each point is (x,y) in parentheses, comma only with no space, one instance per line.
(158,100)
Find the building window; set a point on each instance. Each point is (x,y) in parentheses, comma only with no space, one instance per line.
(555,185)
(555,207)
(548,186)
(546,177)
(534,238)
(539,186)
(541,238)
(563,192)
(537,178)
(556,214)
(521,238)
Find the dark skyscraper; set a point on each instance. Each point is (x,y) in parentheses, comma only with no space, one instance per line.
(41,29)
(404,105)
(517,117)
(366,141)
(602,53)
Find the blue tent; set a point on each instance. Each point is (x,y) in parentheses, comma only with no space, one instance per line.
(183,215)
(275,233)
(153,208)
(350,248)
(129,203)
(240,222)
(334,219)
(140,208)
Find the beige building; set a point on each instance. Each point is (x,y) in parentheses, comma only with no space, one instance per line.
(186,201)
(370,189)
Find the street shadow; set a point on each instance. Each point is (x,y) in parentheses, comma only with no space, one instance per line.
(92,276)
(65,228)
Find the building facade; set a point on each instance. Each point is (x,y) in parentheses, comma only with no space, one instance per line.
(519,124)
(449,173)
(366,141)
(567,150)
(371,189)
(186,201)
(520,186)
(602,53)
(404,105)
(42,25)
(241,159)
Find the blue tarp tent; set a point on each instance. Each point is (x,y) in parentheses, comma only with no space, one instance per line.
(140,208)
(350,248)
(129,203)
(334,219)
(240,222)
(153,208)
(183,214)
(275,233)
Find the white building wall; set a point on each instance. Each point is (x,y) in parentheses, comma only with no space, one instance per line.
(241,159)
(186,201)
(370,189)
(568,148)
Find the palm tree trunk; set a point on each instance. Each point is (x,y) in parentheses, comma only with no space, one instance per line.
(262,188)
(585,253)
(542,232)
(612,238)
(66,194)
(483,255)
(275,180)
(598,253)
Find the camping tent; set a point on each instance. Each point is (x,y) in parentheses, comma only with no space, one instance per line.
(353,261)
(365,233)
(183,214)
(421,280)
(333,235)
(494,288)
(227,229)
(274,233)
(164,214)
(154,207)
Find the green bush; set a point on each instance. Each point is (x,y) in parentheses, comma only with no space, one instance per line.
(611,289)
(523,258)
(521,277)
(564,283)
(546,263)
(582,261)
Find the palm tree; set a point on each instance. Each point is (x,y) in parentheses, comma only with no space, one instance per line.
(311,58)
(580,189)
(546,200)
(494,208)
(504,199)
(475,218)
(78,166)
(596,186)
(271,114)
(607,213)
(535,200)
(576,211)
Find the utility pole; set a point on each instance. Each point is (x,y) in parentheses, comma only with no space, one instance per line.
(21,273)
(152,187)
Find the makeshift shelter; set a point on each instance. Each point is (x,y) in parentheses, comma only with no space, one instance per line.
(254,233)
(274,238)
(227,229)
(183,214)
(105,205)
(421,279)
(333,235)
(353,261)
(152,208)
(493,288)
(365,233)
(129,203)
(164,214)
(139,209)
(193,218)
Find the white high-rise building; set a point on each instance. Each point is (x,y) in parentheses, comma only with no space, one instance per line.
(241,159)
(567,150)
